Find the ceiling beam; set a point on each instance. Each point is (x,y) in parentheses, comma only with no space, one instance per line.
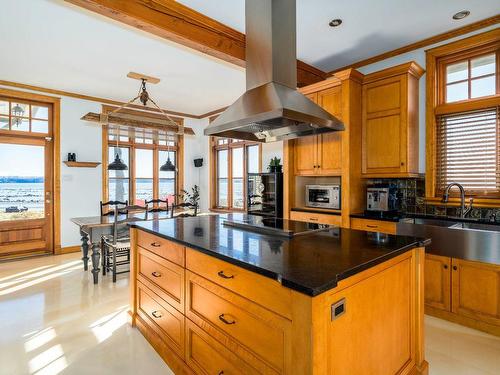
(176,22)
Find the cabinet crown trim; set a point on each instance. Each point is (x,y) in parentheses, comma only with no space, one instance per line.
(410,67)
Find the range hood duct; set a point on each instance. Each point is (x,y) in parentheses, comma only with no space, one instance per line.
(272,109)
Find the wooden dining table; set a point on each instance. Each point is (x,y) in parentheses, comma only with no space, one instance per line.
(93,228)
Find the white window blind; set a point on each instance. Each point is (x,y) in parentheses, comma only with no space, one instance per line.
(468,151)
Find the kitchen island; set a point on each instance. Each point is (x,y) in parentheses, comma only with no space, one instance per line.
(214,299)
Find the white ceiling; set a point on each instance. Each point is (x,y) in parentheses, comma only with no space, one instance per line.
(53,44)
(369,27)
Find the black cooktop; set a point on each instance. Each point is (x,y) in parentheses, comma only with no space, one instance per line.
(275,226)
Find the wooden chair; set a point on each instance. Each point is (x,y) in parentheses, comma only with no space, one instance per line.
(116,248)
(111,204)
(184,206)
(156,205)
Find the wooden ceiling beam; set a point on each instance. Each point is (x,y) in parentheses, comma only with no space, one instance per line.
(171,20)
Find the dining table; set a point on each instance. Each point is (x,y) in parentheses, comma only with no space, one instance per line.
(93,228)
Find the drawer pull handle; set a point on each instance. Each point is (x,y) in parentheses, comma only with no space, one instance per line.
(313,218)
(372,226)
(157,314)
(155,244)
(156,274)
(221,372)
(224,276)
(224,320)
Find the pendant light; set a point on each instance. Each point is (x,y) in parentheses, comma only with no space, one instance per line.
(117,164)
(168,166)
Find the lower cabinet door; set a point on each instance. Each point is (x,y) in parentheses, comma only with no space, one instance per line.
(162,318)
(437,282)
(207,356)
(476,290)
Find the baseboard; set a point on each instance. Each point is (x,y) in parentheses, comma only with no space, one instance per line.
(67,250)
(463,320)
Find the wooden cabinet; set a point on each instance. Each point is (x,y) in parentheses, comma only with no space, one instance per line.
(235,321)
(437,281)
(476,290)
(390,122)
(371,225)
(321,154)
(312,217)
(463,291)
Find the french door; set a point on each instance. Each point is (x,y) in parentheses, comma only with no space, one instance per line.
(26,180)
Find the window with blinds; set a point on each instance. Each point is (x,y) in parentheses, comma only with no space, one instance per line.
(468,151)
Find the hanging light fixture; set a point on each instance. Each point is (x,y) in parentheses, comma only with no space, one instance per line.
(117,164)
(17,112)
(168,166)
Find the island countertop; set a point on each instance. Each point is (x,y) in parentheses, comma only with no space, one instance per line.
(310,264)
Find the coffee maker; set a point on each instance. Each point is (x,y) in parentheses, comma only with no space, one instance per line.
(381,199)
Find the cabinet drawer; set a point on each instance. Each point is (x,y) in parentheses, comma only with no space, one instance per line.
(162,247)
(207,356)
(162,318)
(162,276)
(265,334)
(373,225)
(312,217)
(259,289)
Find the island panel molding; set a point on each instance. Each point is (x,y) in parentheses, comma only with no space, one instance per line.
(239,313)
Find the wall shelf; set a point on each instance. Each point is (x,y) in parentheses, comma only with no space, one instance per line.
(81,164)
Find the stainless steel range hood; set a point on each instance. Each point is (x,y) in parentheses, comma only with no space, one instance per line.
(272,109)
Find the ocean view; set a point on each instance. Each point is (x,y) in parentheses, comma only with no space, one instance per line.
(24,197)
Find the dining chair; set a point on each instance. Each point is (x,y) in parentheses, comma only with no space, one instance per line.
(155,205)
(116,248)
(111,204)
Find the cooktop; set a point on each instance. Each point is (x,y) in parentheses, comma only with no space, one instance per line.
(275,226)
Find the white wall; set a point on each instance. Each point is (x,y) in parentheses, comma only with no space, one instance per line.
(269,151)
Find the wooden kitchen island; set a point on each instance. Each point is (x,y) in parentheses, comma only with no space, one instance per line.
(212,299)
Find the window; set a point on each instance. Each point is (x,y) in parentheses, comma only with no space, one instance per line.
(468,151)
(18,116)
(144,151)
(471,78)
(463,99)
(232,160)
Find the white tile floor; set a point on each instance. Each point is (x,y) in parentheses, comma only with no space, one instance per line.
(54,321)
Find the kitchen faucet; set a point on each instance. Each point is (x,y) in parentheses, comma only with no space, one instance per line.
(463,211)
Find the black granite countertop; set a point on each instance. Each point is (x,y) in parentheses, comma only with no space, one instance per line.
(311,264)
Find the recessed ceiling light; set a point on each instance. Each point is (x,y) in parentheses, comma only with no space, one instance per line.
(336,22)
(461,15)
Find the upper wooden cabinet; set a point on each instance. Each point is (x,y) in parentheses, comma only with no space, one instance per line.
(390,122)
(321,154)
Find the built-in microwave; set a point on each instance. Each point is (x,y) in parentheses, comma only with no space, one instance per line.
(323,196)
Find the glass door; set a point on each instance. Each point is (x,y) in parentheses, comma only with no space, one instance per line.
(25,195)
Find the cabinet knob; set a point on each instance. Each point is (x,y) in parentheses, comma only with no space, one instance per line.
(445,266)
(402,163)
(455,268)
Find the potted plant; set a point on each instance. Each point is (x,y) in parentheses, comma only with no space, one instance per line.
(275,165)
(193,197)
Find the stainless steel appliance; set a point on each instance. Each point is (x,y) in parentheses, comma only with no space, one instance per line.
(377,199)
(275,226)
(323,196)
(272,109)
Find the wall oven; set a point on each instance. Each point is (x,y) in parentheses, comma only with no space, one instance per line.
(323,196)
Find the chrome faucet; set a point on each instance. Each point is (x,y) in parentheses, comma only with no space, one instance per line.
(463,211)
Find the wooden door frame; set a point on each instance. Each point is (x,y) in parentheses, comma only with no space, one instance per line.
(55,102)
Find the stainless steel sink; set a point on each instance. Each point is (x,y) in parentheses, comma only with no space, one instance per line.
(464,240)
(477,226)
